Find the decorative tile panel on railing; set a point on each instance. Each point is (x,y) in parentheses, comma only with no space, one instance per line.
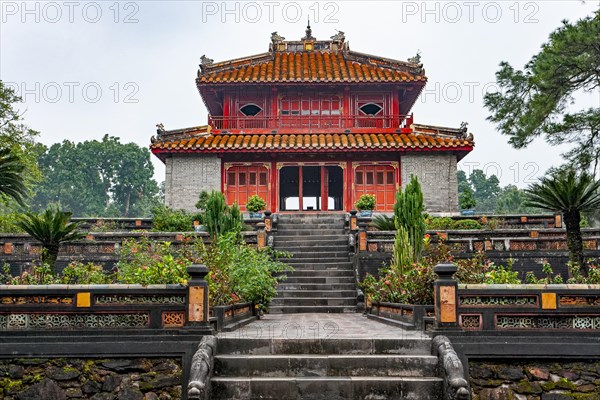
(92,307)
(529,307)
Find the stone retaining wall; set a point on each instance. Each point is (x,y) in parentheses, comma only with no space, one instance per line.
(97,379)
(535,380)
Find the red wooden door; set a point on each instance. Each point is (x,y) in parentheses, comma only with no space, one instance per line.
(245,181)
(378,180)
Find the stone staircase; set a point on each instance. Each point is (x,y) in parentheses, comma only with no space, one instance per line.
(323,278)
(326,369)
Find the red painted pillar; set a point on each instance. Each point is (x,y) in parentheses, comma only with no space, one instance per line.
(324,188)
(349,183)
(223,176)
(274,186)
(346,111)
(274,109)
(301,183)
(395,110)
(226,111)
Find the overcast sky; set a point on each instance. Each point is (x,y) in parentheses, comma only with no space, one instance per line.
(86,69)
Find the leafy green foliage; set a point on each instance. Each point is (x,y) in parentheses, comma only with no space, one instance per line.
(242,272)
(403,254)
(9,222)
(486,196)
(78,273)
(408,213)
(12,181)
(114,181)
(166,219)
(51,228)
(255,203)
(499,274)
(383,222)
(439,223)
(538,100)
(147,262)
(18,139)
(566,191)
(365,202)
(466,224)
(466,199)
(219,217)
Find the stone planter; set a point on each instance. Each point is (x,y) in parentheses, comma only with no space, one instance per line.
(256,215)
(365,213)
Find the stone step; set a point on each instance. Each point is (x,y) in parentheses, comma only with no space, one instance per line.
(319,279)
(309,218)
(312,227)
(320,265)
(295,309)
(313,301)
(286,293)
(316,236)
(300,247)
(295,365)
(286,285)
(321,255)
(320,272)
(300,231)
(326,388)
(315,260)
(324,346)
(311,242)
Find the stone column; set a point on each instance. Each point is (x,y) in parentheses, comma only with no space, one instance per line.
(197,312)
(446,297)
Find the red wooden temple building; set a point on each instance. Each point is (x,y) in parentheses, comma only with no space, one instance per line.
(311,125)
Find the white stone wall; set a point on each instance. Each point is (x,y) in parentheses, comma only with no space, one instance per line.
(187,175)
(437,176)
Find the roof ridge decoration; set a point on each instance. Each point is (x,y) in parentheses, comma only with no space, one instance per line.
(336,51)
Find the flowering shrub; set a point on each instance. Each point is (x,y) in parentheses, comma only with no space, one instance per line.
(76,273)
(147,262)
(241,272)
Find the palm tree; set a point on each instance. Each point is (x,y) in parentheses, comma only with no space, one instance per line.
(571,194)
(51,228)
(11,176)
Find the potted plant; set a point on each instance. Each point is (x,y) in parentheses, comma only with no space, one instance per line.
(255,205)
(365,205)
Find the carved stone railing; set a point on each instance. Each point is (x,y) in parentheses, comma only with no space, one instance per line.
(201,369)
(456,384)
(224,318)
(523,222)
(417,317)
(469,241)
(106,308)
(514,308)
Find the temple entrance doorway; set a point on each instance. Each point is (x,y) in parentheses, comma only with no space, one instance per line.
(311,188)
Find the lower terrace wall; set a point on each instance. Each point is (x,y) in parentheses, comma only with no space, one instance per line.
(21,251)
(528,248)
(535,380)
(91,378)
